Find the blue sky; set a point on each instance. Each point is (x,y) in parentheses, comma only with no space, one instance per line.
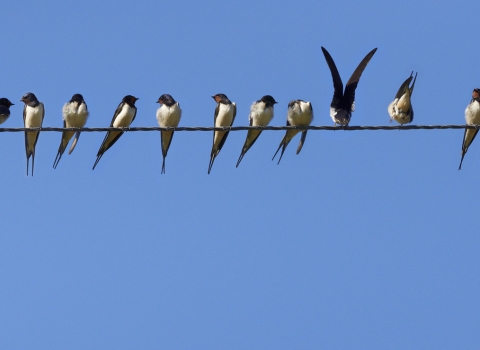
(365,240)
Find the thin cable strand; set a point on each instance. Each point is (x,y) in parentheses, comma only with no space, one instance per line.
(239,128)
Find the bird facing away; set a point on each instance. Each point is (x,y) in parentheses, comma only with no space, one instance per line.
(225,113)
(401,109)
(168,114)
(122,118)
(343,103)
(472,117)
(261,113)
(33,113)
(4,109)
(300,113)
(74,115)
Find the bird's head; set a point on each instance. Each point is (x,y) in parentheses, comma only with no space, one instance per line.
(130,100)
(268,100)
(166,99)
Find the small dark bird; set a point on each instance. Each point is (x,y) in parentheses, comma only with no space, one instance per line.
(33,114)
(168,114)
(74,114)
(225,113)
(4,109)
(124,115)
(261,113)
(343,103)
(472,117)
(300,113)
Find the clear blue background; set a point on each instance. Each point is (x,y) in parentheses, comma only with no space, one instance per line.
(365,240)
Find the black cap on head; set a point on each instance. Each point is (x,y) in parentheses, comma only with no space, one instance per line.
(268,100)
(5,102)
(77,98)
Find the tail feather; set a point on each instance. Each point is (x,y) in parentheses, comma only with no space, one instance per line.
(461,160)
(163,166)
(74,143)
(241,156)
(61,149)
(99,156)
(302,141)
(212,159)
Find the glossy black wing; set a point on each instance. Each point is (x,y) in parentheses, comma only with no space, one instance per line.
(349,95)
(337,81)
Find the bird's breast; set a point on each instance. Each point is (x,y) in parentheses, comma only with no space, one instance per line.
(169,116)
(472,113)
(125,117)
(225,115)
(261,117)
(33,116)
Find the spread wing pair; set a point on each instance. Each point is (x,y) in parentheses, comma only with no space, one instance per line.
(343,103)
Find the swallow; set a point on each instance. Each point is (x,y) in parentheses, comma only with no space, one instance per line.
(33,113)
(472,117)
(343,103)
(225,113)
(4,109)
(122,118)
(401,109)
(74,114)
(300,113)
(261,113)
(168,115)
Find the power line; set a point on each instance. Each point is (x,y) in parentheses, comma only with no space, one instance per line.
(239,128)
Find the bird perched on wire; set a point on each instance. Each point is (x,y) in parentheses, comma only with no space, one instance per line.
(300,113)
(168,114)
(472,117)
(401,109)
(74,115)
(33,114)
(122,118)
(4,109)
(225,113)
(343,103)
(261,113)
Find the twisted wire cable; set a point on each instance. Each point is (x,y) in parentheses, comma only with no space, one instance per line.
(239,128)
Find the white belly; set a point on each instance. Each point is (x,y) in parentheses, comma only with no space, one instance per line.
(75,116)
(472,113)
(259,115)
(169,116)
(34,116)
(125,117)
(225,115)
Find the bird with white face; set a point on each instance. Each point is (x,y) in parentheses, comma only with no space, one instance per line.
(401,109)
(122,118)
(472,117)
(33,114)
(343,103)
(261,113)
(225,113)
(74,115)
(4,109)
(300,113)
(168,115)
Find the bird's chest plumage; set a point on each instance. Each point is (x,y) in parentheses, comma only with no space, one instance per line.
(225,115)
(472,113)
(260,115)
(75,115)
(169,116)
(33,116)
(125,117)
(300,116)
